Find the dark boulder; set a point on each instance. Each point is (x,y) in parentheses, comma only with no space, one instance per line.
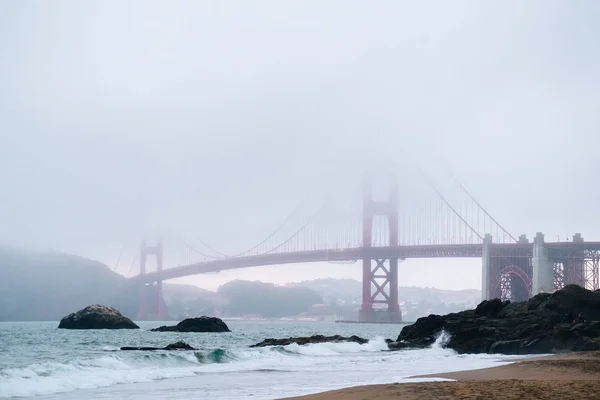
(422,333)
(490,308)
(201,324)
(398,345)
(172,346)
(179,346)
(97,317)
(309,340)
(536,326)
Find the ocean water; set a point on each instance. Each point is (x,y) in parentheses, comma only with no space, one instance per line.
(39,361)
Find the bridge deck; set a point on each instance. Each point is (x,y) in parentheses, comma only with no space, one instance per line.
(352,254)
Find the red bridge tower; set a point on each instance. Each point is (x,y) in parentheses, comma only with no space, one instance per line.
(151,303)
(380,276)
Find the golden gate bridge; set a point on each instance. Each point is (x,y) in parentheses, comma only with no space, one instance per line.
(380,232)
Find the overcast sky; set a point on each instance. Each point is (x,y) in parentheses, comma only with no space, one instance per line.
(212,120)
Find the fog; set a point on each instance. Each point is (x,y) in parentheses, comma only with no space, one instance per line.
(210,121)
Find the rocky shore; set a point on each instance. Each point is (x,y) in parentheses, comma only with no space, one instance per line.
(566,320)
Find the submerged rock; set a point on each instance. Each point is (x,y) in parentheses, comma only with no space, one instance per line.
(172,346)
(310,339)
(97,317)
(201,324)
(546,323)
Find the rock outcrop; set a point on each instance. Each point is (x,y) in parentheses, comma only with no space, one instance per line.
(546,323)
(310,339)
(172,346)
(97,317)
(201,324)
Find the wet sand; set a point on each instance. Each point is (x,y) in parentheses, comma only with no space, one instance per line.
(569,376)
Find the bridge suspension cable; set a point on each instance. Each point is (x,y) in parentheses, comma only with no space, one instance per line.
(208,247)
(131,266)
(491,220)
(471,218)
(116,266)
(453,209)
(484,210)
(303,228)
(195,250)
(276,231)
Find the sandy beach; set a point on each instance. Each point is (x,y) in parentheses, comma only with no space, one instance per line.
(569,376)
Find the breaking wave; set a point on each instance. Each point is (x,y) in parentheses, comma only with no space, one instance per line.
(116,367)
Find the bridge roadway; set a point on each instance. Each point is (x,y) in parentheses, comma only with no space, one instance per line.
(352,254)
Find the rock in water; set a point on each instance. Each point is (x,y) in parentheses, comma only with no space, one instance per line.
(310,339)
(201,324)
(172,346)
(97,317)
(179,346)
(141,348)
(536,326)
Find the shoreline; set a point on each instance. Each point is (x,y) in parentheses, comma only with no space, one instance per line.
(572,376)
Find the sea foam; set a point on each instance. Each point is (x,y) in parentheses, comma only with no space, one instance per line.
(118,367)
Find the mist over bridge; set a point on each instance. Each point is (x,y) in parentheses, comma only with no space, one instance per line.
(387,232)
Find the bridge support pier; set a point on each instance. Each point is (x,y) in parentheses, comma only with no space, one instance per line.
(486,273)
(519,290)
(380,276)
(575,266)
(509,270)
(383,277)
(151,304)
(543,268)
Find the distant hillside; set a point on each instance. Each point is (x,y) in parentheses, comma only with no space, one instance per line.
(351,290)
(419,294)
(239,298)
(44,286)
(266,299)
(344,297)
(189,301)
(336,290)
(173,292)
(47,286)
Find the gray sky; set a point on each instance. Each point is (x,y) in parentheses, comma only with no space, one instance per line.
(212,120)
